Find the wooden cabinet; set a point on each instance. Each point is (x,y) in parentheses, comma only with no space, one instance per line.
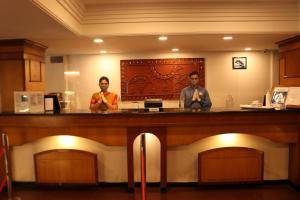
(230,165)
(21,68)
(66,167)
(289,62)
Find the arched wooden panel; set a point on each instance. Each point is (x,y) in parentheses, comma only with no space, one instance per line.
(66,166)
(230,165)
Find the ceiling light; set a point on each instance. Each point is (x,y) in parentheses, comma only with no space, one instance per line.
(103,51)
(227,38)
(98,40)
(74,73)
(175,49)
(248,49)
(163,38)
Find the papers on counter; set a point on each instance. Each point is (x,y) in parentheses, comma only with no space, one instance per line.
(29,101)
(249,106)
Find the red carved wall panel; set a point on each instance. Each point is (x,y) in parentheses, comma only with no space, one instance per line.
(158,78)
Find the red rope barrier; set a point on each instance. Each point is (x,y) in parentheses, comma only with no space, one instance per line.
(3,183)
(2,150)
(143,181)
(143,167)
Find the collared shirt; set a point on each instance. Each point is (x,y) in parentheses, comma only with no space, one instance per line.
(186,96)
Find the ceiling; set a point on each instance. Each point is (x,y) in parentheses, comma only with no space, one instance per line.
(23,19)
(101,2)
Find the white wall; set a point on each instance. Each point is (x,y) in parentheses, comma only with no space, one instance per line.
(221,80)
(54,77)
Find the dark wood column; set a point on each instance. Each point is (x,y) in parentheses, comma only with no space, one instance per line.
(132,133)
(289,74)
(294,160)
(21,68)
(289,62)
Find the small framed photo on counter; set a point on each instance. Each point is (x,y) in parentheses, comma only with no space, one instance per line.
(279,96)
(239,62)
(51,103)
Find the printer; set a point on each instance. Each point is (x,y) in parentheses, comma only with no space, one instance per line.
(153,105)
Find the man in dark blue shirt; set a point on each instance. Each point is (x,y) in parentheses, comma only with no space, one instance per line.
(194,96)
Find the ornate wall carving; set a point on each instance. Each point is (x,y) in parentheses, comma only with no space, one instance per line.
(158,78)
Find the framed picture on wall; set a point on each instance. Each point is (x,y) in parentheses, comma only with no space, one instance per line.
(239,62)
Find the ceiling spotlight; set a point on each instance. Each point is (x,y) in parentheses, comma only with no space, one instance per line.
(71,73)
(103,52)
(175,49)
(248,49)
(98,40)
(227,38)
(163,38)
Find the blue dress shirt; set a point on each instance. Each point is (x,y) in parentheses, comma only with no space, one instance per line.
(186,96)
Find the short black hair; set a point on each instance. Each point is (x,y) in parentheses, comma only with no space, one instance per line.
(104,78)
(193,73)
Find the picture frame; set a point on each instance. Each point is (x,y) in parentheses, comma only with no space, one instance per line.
(29,101)
(279,96)
(51,103)
(239,62)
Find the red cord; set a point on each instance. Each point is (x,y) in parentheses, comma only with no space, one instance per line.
(3,183)
(2,151)
(143,181)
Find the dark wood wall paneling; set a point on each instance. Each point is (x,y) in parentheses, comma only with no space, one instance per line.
(289,63)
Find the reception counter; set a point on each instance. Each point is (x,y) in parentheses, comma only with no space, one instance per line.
(173,127)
